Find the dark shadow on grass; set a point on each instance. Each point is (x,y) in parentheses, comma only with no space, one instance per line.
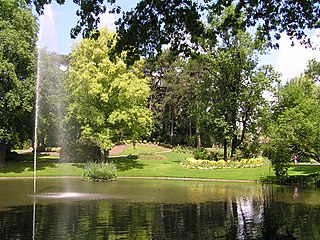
(41,157)
(126,163)
(19,167)
(305,168)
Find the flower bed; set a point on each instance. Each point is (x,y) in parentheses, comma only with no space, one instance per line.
(220,164)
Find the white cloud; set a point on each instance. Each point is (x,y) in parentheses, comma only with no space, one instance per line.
(107,20)
(292,61)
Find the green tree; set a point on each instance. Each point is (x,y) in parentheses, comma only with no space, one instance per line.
(234,84)
(17,73)
(107,101)
(151,24)
(52,77)
(296,126)
(172,91)
(313,70)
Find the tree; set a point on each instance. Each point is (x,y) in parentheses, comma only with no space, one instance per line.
(172,91)
(296,126)
(234,83)
(107,101)
(17,73)
(313,70)
(152,23)
(51,106)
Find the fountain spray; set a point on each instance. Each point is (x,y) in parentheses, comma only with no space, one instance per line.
(35,144)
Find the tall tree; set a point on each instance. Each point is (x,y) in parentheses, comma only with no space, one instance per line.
(107,100)
(172,90)
(17,73)
(235,85)
(53,74)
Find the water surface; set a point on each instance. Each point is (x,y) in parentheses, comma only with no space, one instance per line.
(156,209)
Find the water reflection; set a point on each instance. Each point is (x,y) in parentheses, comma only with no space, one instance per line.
(248,212)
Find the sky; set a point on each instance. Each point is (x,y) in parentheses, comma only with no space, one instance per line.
(56,23)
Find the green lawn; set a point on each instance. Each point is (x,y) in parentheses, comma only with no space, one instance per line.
(140,149)
(159,165)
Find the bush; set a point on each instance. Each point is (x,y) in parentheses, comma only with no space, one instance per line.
(201,153)
(47,149)
(52,149)
(311,180)
(99,172)
(215,155)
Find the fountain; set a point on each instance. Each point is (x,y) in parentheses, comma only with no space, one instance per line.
(151,209)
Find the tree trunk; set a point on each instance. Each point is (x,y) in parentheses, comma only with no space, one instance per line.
(225,149)
(3,148)
(171,127)
(198,138)
(104,156)
(234,145)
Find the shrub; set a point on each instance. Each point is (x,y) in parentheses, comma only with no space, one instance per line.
(215,155)
(310,180)
(99,172)
(56,149)
(47,149)
(201,153)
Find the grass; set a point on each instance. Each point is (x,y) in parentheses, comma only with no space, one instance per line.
(140,150)
(146,166)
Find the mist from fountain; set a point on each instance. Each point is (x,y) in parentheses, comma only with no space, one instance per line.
(46,22)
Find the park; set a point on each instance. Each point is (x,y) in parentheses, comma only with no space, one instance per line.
(167,128)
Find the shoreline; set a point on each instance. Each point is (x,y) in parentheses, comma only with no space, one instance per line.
(146,178)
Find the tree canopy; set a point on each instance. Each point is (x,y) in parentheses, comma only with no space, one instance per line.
(153,23)
(295,129)
(106,100)
(17,73)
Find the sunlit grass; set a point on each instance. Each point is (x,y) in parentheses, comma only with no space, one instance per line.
(168,165)
(140,150)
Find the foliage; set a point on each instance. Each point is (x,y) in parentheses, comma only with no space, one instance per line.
(17,73)
(106,100)
(151,24)
(148,26)
(173,90)
(309,180)
(201,153)
(233,85)
(220,164)
(295,129)
(313,70)
(99,172)
(52,78)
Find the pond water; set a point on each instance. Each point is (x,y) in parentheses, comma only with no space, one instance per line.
(156,209)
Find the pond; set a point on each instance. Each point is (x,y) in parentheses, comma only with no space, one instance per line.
(156,209)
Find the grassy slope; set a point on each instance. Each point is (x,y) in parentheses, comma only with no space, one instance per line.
(147,166)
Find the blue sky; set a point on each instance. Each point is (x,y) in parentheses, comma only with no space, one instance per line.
(58,20)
